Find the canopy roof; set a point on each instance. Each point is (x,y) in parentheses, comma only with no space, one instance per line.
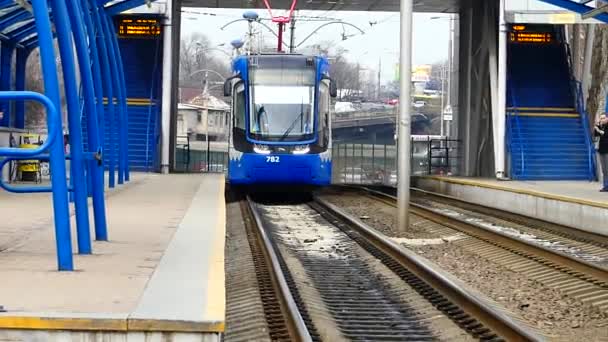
(17,24)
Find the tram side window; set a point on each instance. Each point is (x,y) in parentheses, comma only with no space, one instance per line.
(239,106)
(323,127)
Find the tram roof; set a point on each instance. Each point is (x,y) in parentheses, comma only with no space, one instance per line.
(437,6)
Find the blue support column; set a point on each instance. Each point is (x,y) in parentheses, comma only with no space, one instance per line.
(96,170)
(123,99)
(100,227)
(57,161)
(97,73)
(6,59)
(77,175)
(108,90)
(21,63)
(116,81)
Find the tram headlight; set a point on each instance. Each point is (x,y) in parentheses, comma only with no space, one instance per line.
(261,149)
(301,149)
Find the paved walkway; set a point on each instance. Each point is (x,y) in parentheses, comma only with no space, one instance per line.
(142,218)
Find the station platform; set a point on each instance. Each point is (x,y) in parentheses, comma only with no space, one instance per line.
(576,204)
(159,277)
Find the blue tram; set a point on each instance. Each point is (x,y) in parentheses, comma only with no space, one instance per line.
(280,131)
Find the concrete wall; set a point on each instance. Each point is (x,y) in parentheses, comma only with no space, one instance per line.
(18,335)
(576,215)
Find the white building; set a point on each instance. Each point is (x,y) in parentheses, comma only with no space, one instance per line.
(204,116)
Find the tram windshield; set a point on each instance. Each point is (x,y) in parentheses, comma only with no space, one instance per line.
(282,104)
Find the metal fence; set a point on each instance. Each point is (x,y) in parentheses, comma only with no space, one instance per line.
(442,155)
(364,164)
(377,164)
(201,156)
(353,163)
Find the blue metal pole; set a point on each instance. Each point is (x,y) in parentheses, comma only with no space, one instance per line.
(123,98)
(77,176)
(97,74)
(6,59)
(99,127)
(116,79)
(57,160)
(21,62)
(96,174)
(108,91)
(100,234)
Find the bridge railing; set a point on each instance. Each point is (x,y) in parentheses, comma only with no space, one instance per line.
(364,115)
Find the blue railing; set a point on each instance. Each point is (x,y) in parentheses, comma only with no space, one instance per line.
(515,113)
(79,27)
(577,90)
(580,107)
(52,150)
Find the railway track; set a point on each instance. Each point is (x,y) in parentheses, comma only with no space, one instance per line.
(572,261)
(333,278)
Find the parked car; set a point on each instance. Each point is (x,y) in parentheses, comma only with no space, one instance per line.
(419,104)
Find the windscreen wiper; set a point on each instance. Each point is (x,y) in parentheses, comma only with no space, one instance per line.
(293,124)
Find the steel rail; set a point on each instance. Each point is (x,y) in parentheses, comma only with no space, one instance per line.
(296,325)
(565,231)
(560,259)
(498,322)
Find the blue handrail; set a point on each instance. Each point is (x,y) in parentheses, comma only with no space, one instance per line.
(518,127)
(52,117)
(577,90)
(580,107)
(89,156)
(56,158)
(509,136)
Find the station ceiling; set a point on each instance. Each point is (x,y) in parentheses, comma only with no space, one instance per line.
(445,6)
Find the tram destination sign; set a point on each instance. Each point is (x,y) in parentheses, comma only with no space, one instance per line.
(133,26)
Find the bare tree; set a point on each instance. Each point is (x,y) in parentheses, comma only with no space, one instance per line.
(35,114)
(198,53)
(344,72)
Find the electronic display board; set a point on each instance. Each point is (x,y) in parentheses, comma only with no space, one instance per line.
(132,26)
(522,34)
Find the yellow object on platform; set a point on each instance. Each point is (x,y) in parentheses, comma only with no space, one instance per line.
(29,165)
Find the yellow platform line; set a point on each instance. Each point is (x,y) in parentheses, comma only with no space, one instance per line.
(551,109)
(535,193)
(175,326)
(62,323)
(547,115)
(216,291)
(41,322)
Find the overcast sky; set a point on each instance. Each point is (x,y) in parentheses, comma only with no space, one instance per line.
(380,41)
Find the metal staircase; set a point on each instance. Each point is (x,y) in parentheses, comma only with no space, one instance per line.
(548,136)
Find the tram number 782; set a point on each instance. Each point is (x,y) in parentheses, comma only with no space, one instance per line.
(272,159)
